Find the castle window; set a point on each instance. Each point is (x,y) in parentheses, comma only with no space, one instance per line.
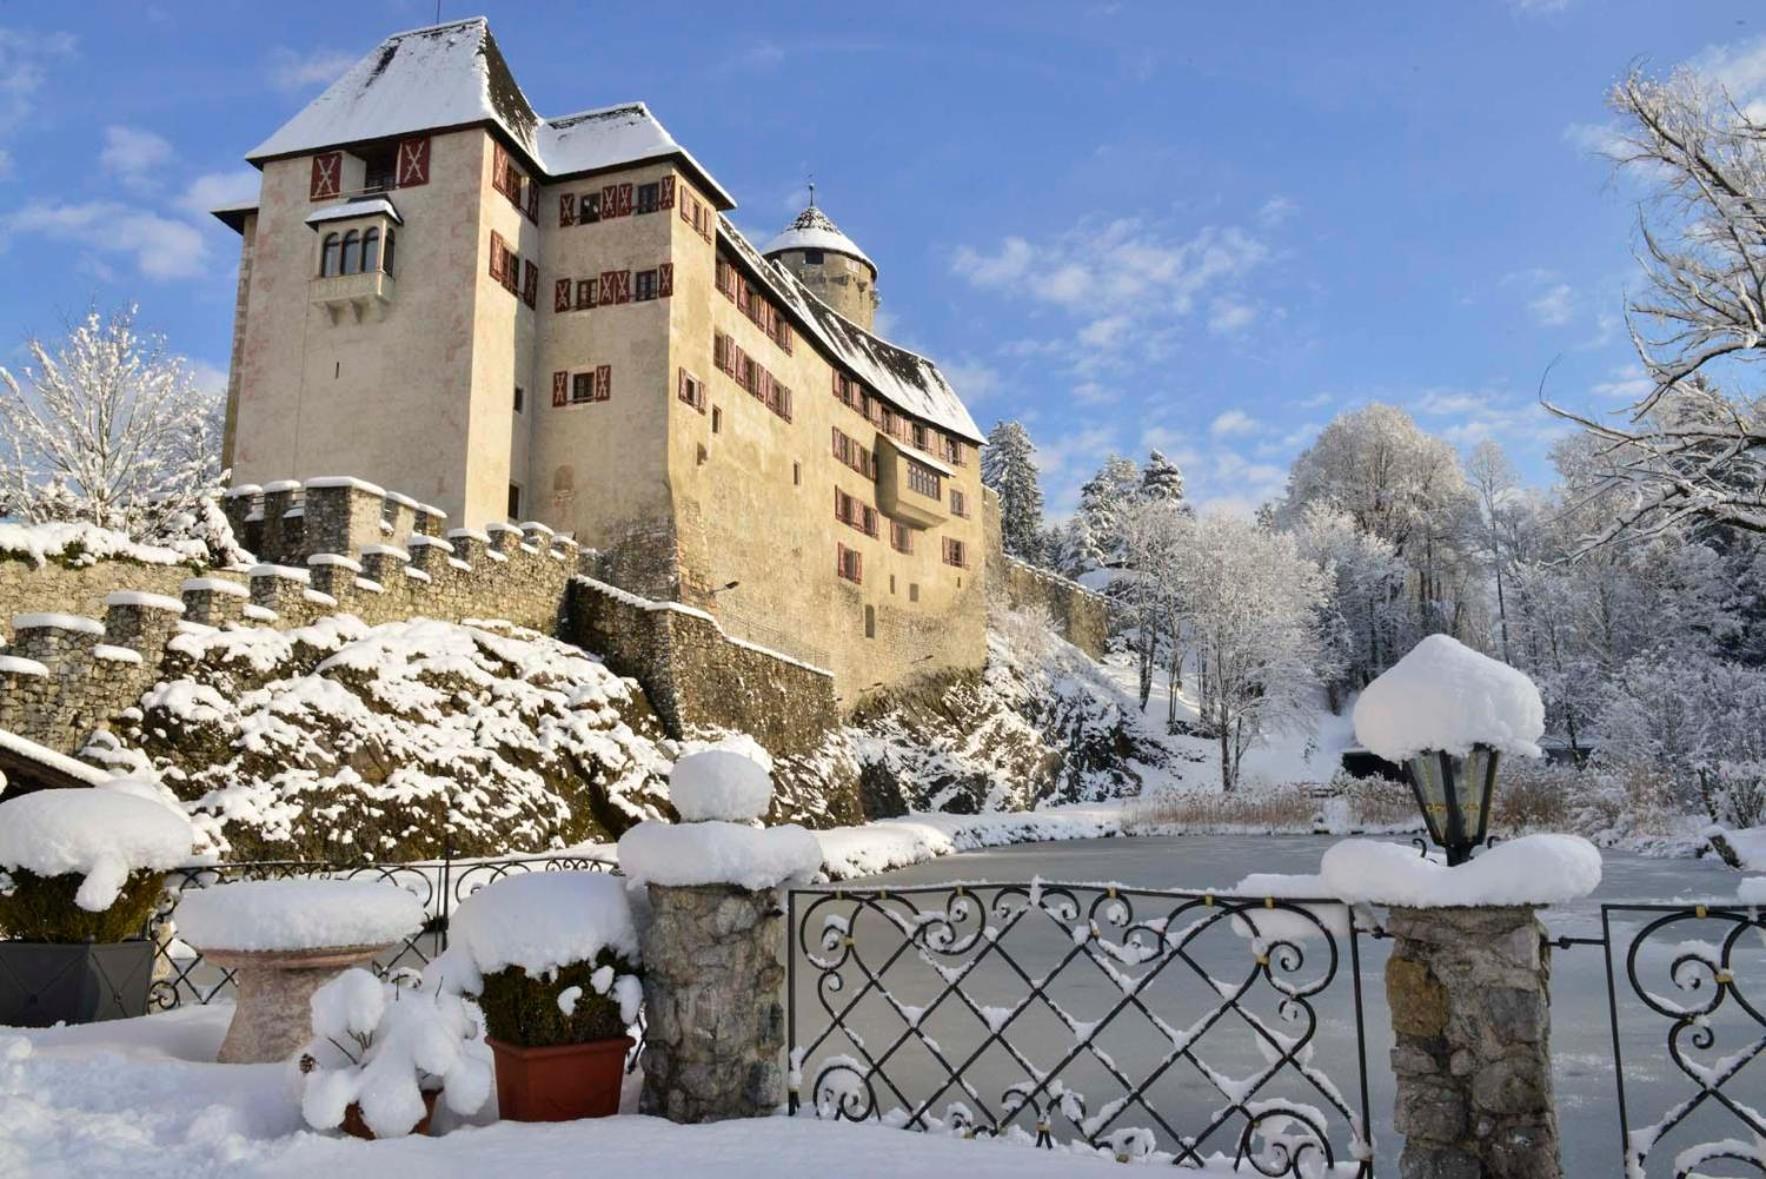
(955,553)
(379,166)
(796,474)
(692,390)
(913,591)
(585,293)
(870,622)
(868,520)
(812,257)
(901,537)
(518,399)
(922,439)
(953,451)
(959,503)
(371,250)
(352,252)
(649,198)
(644,286)
(329,256)
(924,480)
(582,388)
(514,502)
(717,420)
(386,255)
(589,208)
(848,564)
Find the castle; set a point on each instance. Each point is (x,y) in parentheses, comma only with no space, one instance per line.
(552,321)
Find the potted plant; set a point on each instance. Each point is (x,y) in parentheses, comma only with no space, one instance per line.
(553,960)
(383,1054)
(81,872)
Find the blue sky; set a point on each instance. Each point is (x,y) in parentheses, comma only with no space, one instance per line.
(1206,227)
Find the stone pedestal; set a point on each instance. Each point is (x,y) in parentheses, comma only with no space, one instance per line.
(714,979)
(1469,994)
(274,1016)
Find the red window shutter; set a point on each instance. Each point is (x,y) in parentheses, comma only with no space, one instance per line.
(499,167)
(625,200)
(585,293)
(496,256)
(607,288)
(560,387)
(719,351)
(413,162)
(665,279)
(530,284)
(567,208)
(623,283)
(610,201)
(739,364)
(533,201)
(784,402)
(603,382)
(667,200)
(327,179)
(686,208)
(561,294)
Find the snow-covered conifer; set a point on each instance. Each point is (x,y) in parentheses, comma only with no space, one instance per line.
(1008,465)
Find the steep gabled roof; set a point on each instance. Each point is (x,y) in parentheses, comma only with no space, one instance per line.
(815,230)
(905,379)
(453,75)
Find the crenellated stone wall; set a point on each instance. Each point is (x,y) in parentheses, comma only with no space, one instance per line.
(1079,615)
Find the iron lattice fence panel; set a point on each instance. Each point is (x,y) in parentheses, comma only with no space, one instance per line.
(1178,1026)
(1689,965)
(181,977)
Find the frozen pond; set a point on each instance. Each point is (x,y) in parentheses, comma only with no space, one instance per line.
(1581,1032)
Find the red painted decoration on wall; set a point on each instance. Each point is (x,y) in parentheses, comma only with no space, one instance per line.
(327,178)
(413,165)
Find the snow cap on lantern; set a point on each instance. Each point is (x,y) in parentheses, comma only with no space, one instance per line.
(1445,696)
(728,781)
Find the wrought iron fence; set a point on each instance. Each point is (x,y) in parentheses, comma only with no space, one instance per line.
(1687,964)
(182,977)
(1170,1026)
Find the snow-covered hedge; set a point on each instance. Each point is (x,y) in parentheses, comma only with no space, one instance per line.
(85,863)
(340,740)
(78,544)
(552,957)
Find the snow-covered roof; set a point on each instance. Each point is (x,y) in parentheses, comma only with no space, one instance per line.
(453,75)
(905,379)
(815,230)
(355,208)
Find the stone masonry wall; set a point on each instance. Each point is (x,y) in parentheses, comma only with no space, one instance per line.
(695,675)
(714,1041)
(1079,615)
(26,588)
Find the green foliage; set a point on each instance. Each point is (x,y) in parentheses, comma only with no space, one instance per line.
(37,908)
(522,1010)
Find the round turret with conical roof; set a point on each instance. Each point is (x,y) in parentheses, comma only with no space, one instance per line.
(829,263)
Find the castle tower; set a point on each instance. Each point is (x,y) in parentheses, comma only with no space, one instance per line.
(829,263)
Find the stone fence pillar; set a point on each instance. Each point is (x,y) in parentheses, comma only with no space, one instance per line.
(1469,992)
(714,978)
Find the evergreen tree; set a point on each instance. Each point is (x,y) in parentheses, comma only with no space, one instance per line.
(1103,502)
(1008,465)
(1161,479)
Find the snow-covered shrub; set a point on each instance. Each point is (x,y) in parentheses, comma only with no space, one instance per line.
(381,1048)
(552,957)
(1537,796)
(85,864)
(729,781)
(1734,793)
(341,741)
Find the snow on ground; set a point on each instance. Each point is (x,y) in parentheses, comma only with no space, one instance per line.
(848,852)
(143,1097)
(81,544)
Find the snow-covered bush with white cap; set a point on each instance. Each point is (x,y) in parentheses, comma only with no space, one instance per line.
(720,792)
(85,863)
(1445,696)
(381,1047)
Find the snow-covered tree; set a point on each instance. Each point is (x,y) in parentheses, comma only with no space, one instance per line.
(1249,603)
(1103,501)
(1161,479)
(108,426)
(1495,484)
(1362,615)
(1008,465)
(1145,590)
(1695,444)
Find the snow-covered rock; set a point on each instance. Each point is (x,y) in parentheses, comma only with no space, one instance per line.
(298,915)
(730,781)
(539,921)
(718,853)
(101,834)
(1531,870)
(1446,696)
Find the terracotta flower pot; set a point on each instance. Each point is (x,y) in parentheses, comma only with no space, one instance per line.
(562,1083)
(354,1126)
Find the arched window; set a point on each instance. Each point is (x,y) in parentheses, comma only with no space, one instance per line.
(371,250)
(352,252)
(328,262)
(386,259)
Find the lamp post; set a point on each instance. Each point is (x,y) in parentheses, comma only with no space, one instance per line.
(1454,792)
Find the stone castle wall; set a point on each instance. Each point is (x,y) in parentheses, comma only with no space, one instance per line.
(341,546)
(1079,615)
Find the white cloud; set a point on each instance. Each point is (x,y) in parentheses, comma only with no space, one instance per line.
(291,70)
(25,59)
(1627,384)
(1092,393)
(1739,68)
(133,155)
(1316,401)
(1604,139)
(1228,317)
(161,247)
(1276,210)
(1232,423)
(208,377)
(211,190)
(1010,265)
(1553,307)
(972,380)
(1104,333)
(1538,7)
